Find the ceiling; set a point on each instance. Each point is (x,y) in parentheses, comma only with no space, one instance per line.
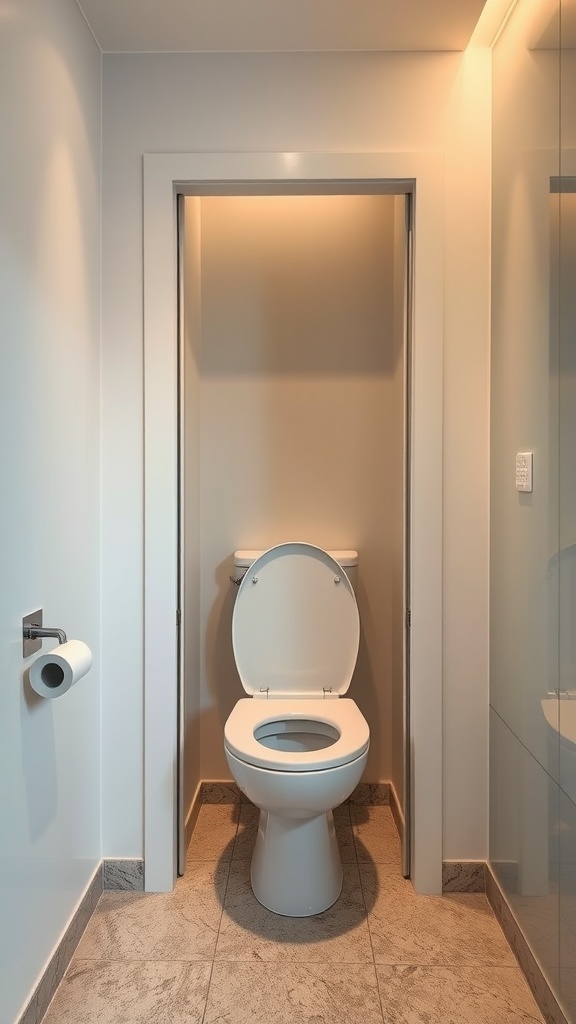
(281,25)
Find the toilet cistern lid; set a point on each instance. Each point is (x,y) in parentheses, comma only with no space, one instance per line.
(295,625)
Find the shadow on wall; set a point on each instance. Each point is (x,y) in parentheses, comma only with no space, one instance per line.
(299,357)
(363,688)
(222,676)
(38,759)
(307,281)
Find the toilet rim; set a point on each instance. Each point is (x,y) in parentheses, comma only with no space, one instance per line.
(341,714)
(295,772)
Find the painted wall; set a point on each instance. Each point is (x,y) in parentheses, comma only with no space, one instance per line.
(50,510)
(297,372)
(398,440)
(191,514)
(300,102)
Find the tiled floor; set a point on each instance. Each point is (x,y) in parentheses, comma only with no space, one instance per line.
(209,953)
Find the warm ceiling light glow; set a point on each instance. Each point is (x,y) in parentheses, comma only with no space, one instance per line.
(491,22)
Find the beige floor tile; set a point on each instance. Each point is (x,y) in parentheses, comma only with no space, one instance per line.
(181,925)
(538,917)
(250,932)
(567,989)
(259,993)
(406,928)
(248,828)
(371,794)
(214,832)
(102,992)
(247,831)
(342,814)
(456,995)
(220,793)
(345,837)
(375,834)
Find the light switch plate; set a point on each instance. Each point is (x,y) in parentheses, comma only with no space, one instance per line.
(524,471)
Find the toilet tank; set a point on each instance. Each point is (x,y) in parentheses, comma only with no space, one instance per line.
(347,558)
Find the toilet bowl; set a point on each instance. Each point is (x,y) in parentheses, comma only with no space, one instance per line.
(295,746)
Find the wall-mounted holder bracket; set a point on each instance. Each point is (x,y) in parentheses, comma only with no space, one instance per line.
(33,633)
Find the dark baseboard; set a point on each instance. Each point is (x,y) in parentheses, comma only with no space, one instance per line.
(463,876)
(56,968)
(543,994)
(123,875)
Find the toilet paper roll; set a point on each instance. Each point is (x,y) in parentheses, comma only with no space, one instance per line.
(54,673)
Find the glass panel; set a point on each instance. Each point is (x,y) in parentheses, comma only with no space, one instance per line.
(524,525)
(567,510)
(533,557)
(524,842)
(567,856)
(567,402)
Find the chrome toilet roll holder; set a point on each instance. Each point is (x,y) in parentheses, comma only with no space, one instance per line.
(33,632)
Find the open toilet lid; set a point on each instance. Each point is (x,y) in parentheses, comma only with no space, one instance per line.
(295,626)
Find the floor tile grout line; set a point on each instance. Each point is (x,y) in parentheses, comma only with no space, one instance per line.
(137,960)
(225,890)
(379,990)
(208,990)
(471,965)
(359,867)
(382,869)
(221,913)
(367,912)
(447,966)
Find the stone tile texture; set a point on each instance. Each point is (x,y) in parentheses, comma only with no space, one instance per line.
(209,953)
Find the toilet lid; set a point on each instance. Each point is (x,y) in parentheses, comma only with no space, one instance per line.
(295,626)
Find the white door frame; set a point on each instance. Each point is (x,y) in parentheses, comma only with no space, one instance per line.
(165,175)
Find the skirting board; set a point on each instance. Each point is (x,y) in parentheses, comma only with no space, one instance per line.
(463,876)
(192,816)
(227,792)
(123,875)
(120,875)
(529,966)
(396,812)
(457,876)
(56,968)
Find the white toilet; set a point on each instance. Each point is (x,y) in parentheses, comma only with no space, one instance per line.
(295,747)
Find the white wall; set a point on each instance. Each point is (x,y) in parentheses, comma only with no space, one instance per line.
(191,639)
(50,425)
(297,367)
(466,460)
(398,440)
(300,102)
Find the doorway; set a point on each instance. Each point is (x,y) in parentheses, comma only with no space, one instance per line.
(294,384)
(165,176)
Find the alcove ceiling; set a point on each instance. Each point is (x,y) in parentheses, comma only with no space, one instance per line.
(281,25)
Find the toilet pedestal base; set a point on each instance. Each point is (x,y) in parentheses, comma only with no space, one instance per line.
(296,868)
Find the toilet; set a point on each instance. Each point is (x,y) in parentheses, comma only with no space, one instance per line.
(296,746)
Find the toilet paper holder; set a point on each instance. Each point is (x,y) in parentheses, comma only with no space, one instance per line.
(33,632)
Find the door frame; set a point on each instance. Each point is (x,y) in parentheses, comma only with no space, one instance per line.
(166,175)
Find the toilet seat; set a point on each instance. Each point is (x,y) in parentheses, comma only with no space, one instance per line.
(295,625)
(295,747)
(343,715)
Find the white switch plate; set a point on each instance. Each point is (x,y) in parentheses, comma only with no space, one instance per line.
(524,471)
